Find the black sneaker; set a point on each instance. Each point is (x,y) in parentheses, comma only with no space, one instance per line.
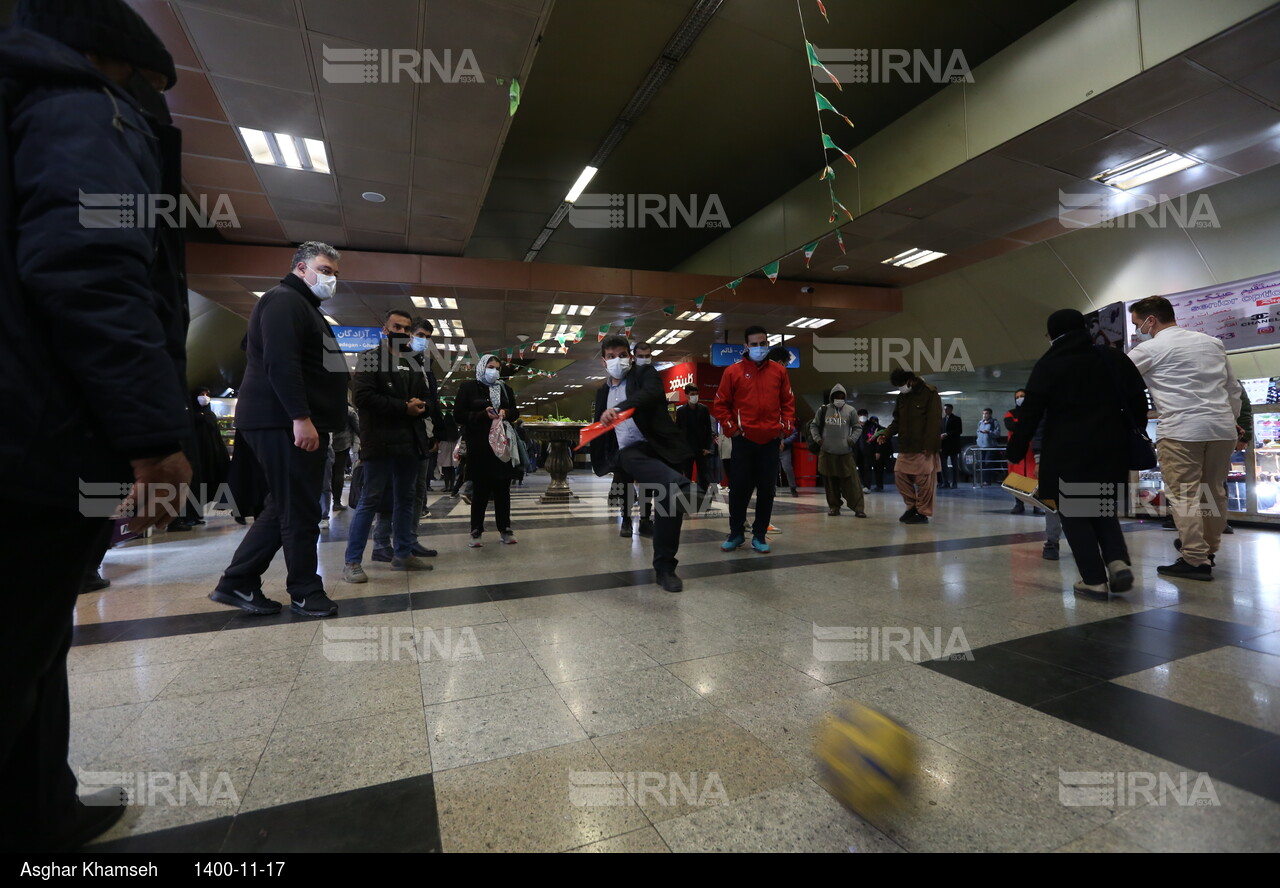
(94,582)
(423,552)
(1182,570)
(92,815)
(250,602)
(1177,545)
(646,527)
(1050,552)
(917,518)
(908,515)
(669,581)
(317,604)
(384,554)
(1228,529)
(1019,509)
(624,527)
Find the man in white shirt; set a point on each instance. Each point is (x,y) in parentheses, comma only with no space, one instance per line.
(1197,398)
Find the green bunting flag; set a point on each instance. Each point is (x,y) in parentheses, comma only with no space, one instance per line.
(827,173)
(603,331)
(771,271)
(513,95)
(840,241)
(669,310)
(808,252)
(701,299)
(824,104)
(829,143)
(813,62)
(629,323)
(733,285)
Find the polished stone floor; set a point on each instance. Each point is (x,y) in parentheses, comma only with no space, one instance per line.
(549,697)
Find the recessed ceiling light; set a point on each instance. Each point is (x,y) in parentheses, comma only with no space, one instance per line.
(839,268)
(1144,169)
(282,150)
(950,393)
(811,323)
(779,338)
(698,316)
(374,197)
(913,258)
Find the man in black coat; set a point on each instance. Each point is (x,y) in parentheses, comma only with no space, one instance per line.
(91,375)
(392,395)
(294,394)
(648,446)
(950,448)
(694,422)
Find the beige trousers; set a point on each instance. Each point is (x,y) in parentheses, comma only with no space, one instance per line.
(1195,482)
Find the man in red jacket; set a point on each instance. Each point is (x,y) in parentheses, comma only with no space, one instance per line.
(755,408)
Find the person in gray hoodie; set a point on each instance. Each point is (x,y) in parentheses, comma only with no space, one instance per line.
(836,429)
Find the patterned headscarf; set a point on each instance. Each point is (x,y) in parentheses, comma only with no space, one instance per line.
(495,390)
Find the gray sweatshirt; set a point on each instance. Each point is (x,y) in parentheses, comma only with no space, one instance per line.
(840,431)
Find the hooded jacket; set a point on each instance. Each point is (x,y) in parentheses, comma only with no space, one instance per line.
(94,303)
(917,419)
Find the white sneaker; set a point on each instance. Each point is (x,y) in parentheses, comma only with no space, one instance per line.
(324,523)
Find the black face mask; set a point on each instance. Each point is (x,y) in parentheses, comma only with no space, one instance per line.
(148,97)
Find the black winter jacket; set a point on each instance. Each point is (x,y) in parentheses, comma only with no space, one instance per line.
(382,390)
(95,318)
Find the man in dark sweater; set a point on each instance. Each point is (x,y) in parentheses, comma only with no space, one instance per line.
(294,394)
(694,422)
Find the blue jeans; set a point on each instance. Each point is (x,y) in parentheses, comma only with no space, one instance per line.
(382,529)
(402,474)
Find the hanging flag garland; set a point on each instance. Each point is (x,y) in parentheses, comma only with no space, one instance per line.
(808,252)
(771,271)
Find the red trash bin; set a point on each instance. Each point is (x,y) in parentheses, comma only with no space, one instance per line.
(805,465)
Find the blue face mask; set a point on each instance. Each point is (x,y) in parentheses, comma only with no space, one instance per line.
(758,352)
(491,375)
(419,344)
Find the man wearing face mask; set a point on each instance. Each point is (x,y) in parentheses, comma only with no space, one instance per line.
(1027,466)
(755,408)
(294,394)
(835,427)
(648,447)
(643,354)
(392,396)
(84,112)
(694,422)
(917,421)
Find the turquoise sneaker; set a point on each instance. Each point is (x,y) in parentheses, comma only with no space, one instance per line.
(760,544)
(733,541)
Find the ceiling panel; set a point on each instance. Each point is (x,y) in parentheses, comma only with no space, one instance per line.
(249,50)
(268,109)
(1165,86)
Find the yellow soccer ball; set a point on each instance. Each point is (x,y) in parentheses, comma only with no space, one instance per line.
(866,759)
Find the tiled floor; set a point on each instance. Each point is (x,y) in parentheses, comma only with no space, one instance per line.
(549,697)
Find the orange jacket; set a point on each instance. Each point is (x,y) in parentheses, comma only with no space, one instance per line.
(756,399)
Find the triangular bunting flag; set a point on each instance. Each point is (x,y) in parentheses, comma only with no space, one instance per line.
(771,272)
(669,310)
(513,94)
(603,331)
(827,173)
(701,299)
(822,9)
(813,62)
(829,143)
(824,104)
(808,252)
(840,241)
(733,285)
(629,323)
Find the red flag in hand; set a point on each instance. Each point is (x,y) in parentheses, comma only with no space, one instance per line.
(586,434)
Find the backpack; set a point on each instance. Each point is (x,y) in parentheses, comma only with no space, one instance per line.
(815,447)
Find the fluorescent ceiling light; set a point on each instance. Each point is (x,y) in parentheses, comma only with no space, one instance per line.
(698,316)
(561,308)
(282,150)
(418,301)
(669,337)
(811,323)
(1144,169)
(655,351)
(448,327)
(779,338)
(950,393)
(552,330)
(330,320)
(913,258)
(259,293)
(576,191)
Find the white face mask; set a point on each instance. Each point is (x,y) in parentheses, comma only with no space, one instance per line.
(617,367)
(491,375)
(839,402)
(323,287)
(1144,336)
(202,400)
(1017,402)
(643,362)
(693,399)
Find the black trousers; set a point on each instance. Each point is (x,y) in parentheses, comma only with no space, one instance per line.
(622,481)
(1095,542)
(483,488)
(754,469)
(639,461)
(290,518)
(57,549)
(336,480)
(952,475)
(703,463)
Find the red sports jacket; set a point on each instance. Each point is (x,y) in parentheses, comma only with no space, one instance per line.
(757,399)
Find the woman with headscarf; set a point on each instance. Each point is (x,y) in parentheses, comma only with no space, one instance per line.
(477,405)
(1082,393)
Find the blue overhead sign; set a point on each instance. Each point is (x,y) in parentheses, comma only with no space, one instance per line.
(357,339)
(725,354)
